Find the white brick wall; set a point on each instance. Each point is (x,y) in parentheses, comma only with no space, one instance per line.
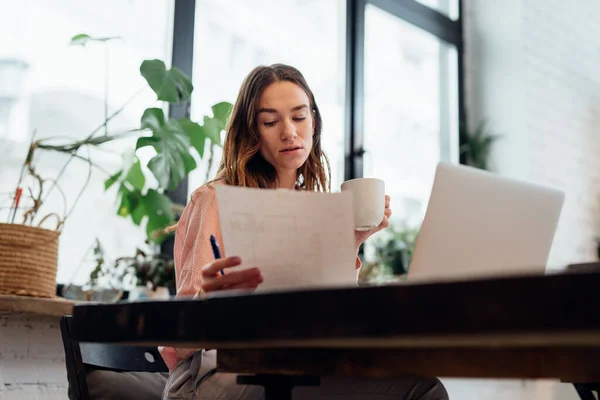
(562,66)
(32,360)
(532,69)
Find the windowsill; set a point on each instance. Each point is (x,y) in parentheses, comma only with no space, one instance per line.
(37,306)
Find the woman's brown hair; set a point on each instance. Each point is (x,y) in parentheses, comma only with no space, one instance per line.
(242,164)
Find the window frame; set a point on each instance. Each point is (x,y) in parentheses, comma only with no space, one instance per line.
(182,57)
(411,11)
(414,13)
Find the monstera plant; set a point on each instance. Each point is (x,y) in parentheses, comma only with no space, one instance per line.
(174,140)
(177,142)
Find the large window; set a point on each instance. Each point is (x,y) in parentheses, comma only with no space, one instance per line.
(404,103)
(410,109)
(57,90)
(385,73)
(234,36)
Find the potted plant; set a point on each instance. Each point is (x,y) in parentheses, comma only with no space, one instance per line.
(177,144)
(393,249)
(477,145)
(143,275)
(154,274)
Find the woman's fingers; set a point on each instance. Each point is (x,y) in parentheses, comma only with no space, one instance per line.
(214,267)
(250,276)
(385,223)
(387,201)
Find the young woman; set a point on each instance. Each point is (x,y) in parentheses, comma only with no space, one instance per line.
(273,141)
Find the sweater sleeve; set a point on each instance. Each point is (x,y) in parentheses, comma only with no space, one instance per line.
(192,250)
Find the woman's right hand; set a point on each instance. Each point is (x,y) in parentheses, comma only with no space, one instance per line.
(212,279)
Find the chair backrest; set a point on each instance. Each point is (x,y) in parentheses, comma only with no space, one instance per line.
(82,358)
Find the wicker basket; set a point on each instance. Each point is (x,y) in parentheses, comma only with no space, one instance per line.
(28,260)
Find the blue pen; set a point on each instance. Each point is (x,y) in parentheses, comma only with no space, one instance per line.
(215,249)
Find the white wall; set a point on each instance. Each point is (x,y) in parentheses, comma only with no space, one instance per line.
(532,69)
(32,359)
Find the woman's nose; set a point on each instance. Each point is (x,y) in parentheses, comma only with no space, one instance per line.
(289,130)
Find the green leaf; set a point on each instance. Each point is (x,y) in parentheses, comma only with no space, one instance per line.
(196,133)
(163,170)
(169,85)
(138,213)
(82,39)
(146,141)
(153,119)
(189,163)
(125,206)
(221,112)
(135,176)
(158,209)
(110,181)
(172,144)
(169,169)
(212,128)
(128,202)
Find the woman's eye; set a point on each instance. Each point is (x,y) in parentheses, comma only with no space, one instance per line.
(298,119)
(269,123)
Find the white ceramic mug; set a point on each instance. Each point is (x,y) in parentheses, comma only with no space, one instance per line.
(369,201)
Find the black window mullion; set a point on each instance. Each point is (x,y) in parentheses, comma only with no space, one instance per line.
(462,109)
(183,58)
(423,17)
(355,39)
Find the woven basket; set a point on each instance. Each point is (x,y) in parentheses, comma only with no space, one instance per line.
(28,260)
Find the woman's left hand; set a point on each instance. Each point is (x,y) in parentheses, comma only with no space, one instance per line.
(361,236)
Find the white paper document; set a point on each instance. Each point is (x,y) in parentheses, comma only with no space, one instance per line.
(298,239)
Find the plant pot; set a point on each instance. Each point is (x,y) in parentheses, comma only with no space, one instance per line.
(96,294)
(28,260)
(398,262)
(144,292)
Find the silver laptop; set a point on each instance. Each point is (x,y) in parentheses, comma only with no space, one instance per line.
(480,224)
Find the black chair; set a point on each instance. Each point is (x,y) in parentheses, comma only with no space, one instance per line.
(83,358)
(588,391)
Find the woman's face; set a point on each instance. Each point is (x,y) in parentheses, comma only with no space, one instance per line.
(286,126)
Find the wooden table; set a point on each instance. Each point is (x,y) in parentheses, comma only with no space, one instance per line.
(20,305)
(518,327)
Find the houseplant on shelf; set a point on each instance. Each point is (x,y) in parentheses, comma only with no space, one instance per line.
(477,145)
(393,249)
(177,143)
(143,275)
(28,244)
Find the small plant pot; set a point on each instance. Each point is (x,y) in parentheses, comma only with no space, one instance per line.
(28,260)
(144,292)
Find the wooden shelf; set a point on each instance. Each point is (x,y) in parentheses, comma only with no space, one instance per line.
(55,307)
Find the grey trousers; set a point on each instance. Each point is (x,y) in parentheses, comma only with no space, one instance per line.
(196,379)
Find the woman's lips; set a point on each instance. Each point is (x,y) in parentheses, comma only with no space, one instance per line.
(291,150)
